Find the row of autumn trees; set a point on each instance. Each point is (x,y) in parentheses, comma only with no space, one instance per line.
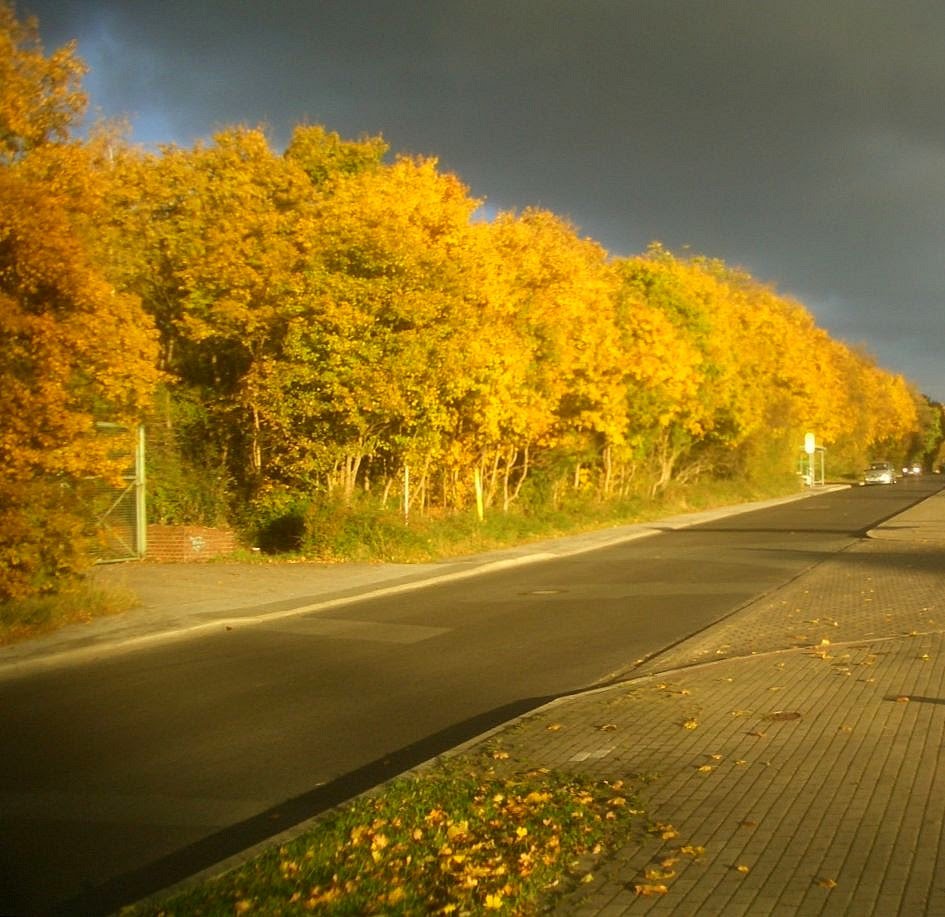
(313,323)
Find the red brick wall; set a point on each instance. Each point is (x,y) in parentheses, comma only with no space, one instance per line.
(188,542)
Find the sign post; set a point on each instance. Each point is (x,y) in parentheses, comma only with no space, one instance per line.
(812,449)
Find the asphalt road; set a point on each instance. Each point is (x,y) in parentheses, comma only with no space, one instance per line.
(122,776)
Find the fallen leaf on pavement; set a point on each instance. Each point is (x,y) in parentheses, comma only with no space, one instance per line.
(647,890)
(652,874)
(826,883)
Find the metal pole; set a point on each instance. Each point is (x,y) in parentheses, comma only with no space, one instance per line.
(141,508)
(406,493)
(477,481)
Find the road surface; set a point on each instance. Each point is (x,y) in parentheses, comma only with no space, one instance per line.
(122,776)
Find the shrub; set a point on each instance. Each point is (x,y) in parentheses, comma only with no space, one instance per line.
(44,538)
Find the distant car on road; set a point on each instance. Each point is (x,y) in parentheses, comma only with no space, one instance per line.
(913,470)
(880,473)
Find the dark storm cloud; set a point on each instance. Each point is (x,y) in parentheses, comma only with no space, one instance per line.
(804,141)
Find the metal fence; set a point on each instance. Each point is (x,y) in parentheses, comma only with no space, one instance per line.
(119,511)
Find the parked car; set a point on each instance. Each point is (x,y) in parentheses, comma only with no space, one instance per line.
(880,473)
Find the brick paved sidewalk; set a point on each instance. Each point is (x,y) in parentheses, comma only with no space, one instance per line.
(797,742)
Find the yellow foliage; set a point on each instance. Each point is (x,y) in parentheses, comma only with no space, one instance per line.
(40,96)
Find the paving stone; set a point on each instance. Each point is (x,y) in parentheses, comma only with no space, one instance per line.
(799,738)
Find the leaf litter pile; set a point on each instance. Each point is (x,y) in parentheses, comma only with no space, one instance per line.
(457,838)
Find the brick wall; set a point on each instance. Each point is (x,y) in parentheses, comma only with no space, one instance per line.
(188,542)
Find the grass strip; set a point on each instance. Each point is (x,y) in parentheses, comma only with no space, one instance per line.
(77,603)
(457,837)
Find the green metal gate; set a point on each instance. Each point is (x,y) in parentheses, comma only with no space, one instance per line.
(120,512)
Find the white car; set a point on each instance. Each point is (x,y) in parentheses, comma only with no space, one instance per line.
(880,473)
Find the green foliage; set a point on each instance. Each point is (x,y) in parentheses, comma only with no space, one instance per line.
(320,528)
(275,520)
(187,478)
(337,530)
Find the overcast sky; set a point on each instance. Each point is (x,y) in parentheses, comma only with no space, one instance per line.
(803,140)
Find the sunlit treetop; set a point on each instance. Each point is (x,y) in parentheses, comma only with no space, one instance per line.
(40,97)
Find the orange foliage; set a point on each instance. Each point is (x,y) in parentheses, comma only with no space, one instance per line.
(73,349)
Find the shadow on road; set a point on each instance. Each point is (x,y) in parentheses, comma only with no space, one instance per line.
(235,839)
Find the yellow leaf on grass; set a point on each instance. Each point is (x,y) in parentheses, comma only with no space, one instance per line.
(691,724)
(457,830)
(493,902)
